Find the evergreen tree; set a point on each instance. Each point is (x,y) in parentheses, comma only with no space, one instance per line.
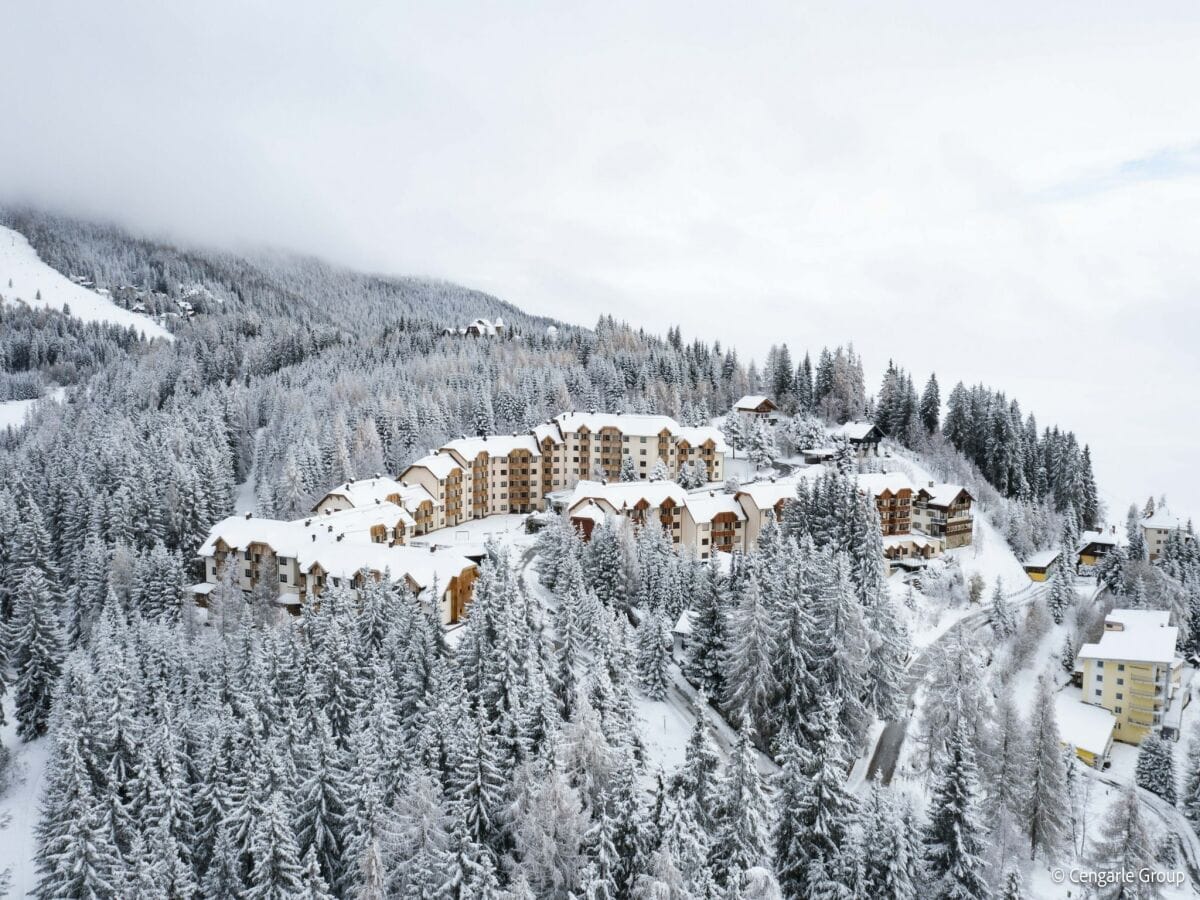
(742,839)
(1155,770)
(653,658)
(1000,616)
(954,833)
(38,639)
(931,405)
(1046,805)
(750,680)
(1124,843)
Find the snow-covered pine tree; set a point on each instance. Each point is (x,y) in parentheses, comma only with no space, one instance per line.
(1155,770)
(1046,802)
(1124,843)
(629,470)
(954,833)
(1000,616)
(749,676)
(37,648)
(742,838)
(653,658)
(1060,598)
(931,405)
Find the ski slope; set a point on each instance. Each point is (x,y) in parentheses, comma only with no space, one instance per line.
(20,265)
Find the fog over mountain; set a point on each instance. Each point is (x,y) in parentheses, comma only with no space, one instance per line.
(1006,195)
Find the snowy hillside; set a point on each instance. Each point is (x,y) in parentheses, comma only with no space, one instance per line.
(23,276)
(13,412)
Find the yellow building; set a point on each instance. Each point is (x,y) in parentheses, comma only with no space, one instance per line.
(1133,671)
(1037,567)
(1089,729)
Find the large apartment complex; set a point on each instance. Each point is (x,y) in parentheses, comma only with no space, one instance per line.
(301,559)
(1133,671)
(715,520)
(476,477)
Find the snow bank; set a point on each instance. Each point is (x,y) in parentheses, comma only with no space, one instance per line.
(19,263)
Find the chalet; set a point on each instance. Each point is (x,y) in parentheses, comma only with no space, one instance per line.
(478,328)
(893,494)
(681,636)
(1133,671)
(910,551)
(1095,545)
(944,511)
(863,437)
(757,408)
(1037,567)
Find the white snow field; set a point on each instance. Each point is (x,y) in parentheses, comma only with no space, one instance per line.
(20,804)
(14,412)
(19,263)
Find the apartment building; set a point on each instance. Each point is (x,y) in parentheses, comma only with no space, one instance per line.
(595,444)
(447,481)
(944,511)
(1133,671)
(1156,528)
(893,494)
(706,521)
(337,548)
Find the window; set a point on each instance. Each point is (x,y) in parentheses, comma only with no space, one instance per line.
(1120,681)
(1116,709)
(246,556)
(283,579)
(1099,677)
(247,573)
(1120,667)
(1099,693)
(1100,664)
(1120,696)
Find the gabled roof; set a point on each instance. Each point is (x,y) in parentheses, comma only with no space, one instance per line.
(495,445)
(857,431)
(364,491)
(345,560)
(707,505)
(876,483)
(627,494)
(943,495)
(1104,538)
(359,519)
(1163,519)
(239,532)
(439,464)
(626,423)
(696,435)
(751,403)
(548,430)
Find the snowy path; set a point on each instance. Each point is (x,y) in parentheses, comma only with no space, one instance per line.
(20,806)
(891,739)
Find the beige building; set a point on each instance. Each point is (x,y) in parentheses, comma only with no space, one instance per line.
(944,511)
(335,547)
(1157,528)
(414,499)
(756,407)
(1133,671)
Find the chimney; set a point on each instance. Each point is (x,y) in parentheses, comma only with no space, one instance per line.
(314,537)
(376,474)
(340,536)
(377,500)
(350,482)
(307,522)
(931,484)
(249,514)
(433,548)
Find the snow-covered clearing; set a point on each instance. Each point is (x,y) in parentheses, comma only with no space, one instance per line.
(14,412)
(29,276)
(19,805)
(469,538)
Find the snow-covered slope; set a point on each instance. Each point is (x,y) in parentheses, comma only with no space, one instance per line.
(19,264)
(13,412)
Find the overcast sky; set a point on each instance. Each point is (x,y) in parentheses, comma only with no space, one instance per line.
(1001,192)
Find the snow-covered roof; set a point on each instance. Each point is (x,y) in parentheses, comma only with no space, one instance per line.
(359,519)
(914,537)
(704,506)
(684,625)
(698,434)
(765,494)
(1163,520)
(345,560)
(202,589)
(1150,645)
(1138,618)
(440,464)
(626,423)
(495,445)
(854,431)
(363,491)
(943,494)
(548,430)
(589,510)
(239,532)
(752,402)
(1108,538)
(627,494)
(875,483)
(1041,559)
(1085,727)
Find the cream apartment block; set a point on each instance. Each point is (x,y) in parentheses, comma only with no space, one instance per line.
(471,478)
(1133,671)
(333,548)
(1157,528)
